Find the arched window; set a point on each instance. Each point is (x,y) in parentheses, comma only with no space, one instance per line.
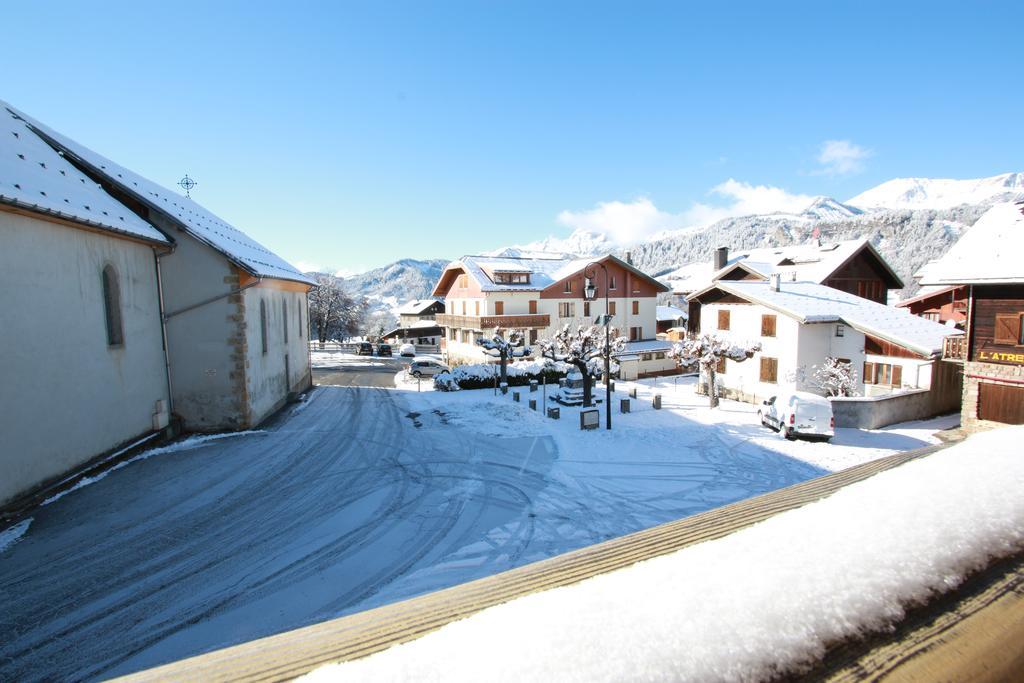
(284,319)
(263,324)
(112,307)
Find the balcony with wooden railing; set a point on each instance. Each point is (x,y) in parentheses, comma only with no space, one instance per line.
(489,322)
(954,348)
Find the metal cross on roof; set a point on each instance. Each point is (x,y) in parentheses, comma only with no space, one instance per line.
(187,184)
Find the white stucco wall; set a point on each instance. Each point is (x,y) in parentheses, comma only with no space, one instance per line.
(794,346)
(267,384)
(207,392)
(65,395)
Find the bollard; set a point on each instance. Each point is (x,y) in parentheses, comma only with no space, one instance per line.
(533,386)
(624,405)
(515,396)
(632,392)
(657,401)
(533,404)
(504,388)
(554,413)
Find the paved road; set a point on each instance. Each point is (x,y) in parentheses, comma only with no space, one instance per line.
(250,535)
(368,371)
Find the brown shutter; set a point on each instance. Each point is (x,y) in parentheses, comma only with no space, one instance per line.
(636,308)
(897,375)
(499,308)
(767,325)
(769,369)
(1007,329)
(721,366)
(611,308)
(586,309)
(533,306)
(723,320)
(869,373)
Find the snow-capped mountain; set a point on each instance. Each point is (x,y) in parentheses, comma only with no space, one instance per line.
(939,193)
(580,243)
(828,209)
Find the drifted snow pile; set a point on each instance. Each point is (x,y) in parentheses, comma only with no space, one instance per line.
(764,600)
(482,375)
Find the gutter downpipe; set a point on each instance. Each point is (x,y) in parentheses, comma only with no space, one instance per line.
(163,331)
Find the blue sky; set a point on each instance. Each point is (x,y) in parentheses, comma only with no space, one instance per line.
(350,135)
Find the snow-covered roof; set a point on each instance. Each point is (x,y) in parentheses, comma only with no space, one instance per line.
(415,307)
(34,177)
(811,262)
(665,313)
(651,346)
(810,302)
(193,218)
(989,252)
(544,272)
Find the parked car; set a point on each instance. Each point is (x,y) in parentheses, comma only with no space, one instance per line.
(407,350)
(365,349)
(383,349)
(799,414)
(427,368)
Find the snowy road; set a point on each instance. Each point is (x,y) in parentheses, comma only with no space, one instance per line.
(347,503)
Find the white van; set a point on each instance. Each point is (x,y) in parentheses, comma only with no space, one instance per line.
(799,414)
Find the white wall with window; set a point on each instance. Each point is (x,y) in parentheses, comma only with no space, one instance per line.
(90,299)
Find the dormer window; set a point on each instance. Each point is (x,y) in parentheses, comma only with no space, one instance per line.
(512,278)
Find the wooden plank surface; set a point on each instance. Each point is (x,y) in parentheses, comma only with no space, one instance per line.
(294,653)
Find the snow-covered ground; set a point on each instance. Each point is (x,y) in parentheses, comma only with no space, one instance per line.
(359,497)
(764,601)
(679,428)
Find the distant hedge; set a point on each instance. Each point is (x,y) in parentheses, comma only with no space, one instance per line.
(482,376)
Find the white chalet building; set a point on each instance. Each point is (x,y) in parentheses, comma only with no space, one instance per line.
(540,295)
(800,324)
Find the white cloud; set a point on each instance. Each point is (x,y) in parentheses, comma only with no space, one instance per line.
(627,222)
(622,222)
(841,157)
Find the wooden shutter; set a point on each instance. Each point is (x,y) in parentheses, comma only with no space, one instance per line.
(720,369)
(769,369)
(636,308)
(767,325)
(869,373)
(723,320)
(586,309)
(611,308)
(897,375)
(533,306)
(1007,329)
(499,308)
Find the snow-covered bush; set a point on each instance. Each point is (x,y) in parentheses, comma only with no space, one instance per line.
(835,378)
(504,348)
(482,375)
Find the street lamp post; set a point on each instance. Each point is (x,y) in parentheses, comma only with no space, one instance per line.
(590,294)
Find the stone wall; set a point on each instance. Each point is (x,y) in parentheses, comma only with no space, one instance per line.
(969,421)
(873,412)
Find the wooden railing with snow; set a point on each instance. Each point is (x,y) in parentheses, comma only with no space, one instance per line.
(973,633)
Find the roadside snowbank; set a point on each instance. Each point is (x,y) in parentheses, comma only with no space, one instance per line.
(13,534)
(765,600)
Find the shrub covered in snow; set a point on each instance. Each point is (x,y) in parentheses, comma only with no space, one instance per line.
(482,375)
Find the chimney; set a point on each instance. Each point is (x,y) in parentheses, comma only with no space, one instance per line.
(721,257)
(776,281)
(629,257)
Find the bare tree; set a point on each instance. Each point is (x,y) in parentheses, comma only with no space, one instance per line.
(333,312)
(581,348)
(707,352)
(504,348)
